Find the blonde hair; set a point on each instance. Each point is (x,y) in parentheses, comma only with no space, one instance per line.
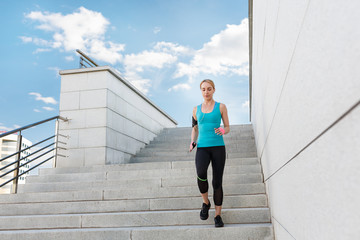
(208,81)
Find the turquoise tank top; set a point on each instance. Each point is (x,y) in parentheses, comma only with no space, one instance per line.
(206,124)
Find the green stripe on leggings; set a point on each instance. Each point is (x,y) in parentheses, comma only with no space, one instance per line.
(204,180)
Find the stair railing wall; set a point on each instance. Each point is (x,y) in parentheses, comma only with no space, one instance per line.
(10,172)
(111,120)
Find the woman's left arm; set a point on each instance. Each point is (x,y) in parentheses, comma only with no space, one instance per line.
(225,118)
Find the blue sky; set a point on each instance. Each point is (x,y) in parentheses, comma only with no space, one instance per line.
(164,48)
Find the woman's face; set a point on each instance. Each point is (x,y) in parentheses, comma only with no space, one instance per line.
(207,91)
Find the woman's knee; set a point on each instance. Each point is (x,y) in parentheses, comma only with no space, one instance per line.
(203,185)
(217,183)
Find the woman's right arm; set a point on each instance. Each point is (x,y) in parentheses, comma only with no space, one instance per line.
(194,132)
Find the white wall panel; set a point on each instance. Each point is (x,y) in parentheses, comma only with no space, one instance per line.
(69,85)
(69,101)
(304,79)
(317,195)
(93,98)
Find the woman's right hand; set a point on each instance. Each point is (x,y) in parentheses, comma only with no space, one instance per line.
(192,146)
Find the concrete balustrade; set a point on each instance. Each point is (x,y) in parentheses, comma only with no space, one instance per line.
(110,120)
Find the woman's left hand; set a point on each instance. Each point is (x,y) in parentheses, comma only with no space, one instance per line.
(219,131)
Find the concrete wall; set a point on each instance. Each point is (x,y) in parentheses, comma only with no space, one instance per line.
(110,120)
(305,109)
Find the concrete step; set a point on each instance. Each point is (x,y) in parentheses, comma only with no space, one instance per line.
(188,157)
(187,134)
(186,154)
(119,184)
(106,168)
(41,197)
(233,133)
(132,219)
(184,131)
(139,166)
(156,152)
(229,162)
(82,185)
(49,183)
(227,179)
(186,191)
(235,145)
(103,206)
(187,172)
(262,231)
(173,180)
(125,194)
(186,139)
(235,127)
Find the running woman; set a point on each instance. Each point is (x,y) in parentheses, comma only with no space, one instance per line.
(210,144)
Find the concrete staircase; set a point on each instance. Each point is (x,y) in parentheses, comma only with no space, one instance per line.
(154,197)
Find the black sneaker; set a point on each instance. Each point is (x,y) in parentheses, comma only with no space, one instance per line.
(218,221)
(204,213)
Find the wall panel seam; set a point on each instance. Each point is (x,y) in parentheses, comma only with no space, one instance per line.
(84,90)
(284,228)
(287,72)
(317,137)
(120,150)
(139,140)
(130,120)
(140,110)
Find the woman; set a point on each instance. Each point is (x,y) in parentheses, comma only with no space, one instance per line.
(210,147)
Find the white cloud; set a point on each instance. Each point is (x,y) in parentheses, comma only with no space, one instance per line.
(7,129)
(180,86)
(56,70)
(135,65)
(36,110)
(162,55)
(69,58)
(156,30)
(3,128)
(46,100)
(245,104)
(26,39)
(148,59)
(226,53)
(37,41)
(142,84)
(106,51)
(186,69)
(83,29)
(39,50)
(173,48)
(48,108)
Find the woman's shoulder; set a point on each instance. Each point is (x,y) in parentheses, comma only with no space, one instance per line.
(194,110)
(221,104)
(197,106)
(222,107)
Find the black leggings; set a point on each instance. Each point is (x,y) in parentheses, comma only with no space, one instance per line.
(215,155)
